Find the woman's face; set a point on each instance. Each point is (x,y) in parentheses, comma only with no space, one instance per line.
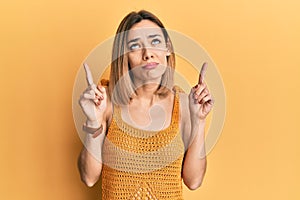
(147,51)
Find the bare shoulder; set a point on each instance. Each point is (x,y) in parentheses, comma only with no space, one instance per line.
(184,106)
(109,108)
(185,125)
(183,99)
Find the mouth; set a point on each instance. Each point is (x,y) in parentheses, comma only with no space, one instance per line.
(150,65)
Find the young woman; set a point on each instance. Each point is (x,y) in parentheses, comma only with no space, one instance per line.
(148,135)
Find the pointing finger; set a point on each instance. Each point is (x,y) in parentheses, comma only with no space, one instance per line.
(88,73)
(202,73)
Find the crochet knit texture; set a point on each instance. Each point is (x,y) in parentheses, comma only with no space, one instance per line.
(139,164)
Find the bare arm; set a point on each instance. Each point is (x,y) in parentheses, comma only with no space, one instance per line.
(94,103)
(90,158)
(197,106)
(194,163)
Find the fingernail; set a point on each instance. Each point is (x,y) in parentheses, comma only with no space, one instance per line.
(196,86)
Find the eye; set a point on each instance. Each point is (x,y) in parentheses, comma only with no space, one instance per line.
(134,46)
(156,41)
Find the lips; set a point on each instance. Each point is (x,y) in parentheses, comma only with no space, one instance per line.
(150,65)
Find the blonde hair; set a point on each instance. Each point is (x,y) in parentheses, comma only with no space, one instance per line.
(121,88)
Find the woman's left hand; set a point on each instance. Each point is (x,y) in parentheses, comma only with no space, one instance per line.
(200,99)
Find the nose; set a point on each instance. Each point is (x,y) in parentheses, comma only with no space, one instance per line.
(147,53)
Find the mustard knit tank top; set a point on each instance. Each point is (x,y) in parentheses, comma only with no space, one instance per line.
(139,164)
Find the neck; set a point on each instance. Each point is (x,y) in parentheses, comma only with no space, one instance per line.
(146,89)
(147,93)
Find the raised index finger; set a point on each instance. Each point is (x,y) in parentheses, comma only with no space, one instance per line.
(88,73)
(202,73)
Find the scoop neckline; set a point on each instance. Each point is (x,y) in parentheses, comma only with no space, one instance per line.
(118,119)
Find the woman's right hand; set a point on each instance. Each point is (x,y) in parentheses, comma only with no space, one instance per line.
(93,101)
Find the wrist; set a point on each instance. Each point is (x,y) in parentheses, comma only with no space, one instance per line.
(92,124)
(94,131)
(198,121)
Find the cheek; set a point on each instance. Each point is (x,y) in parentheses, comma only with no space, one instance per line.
(163,57)
(134,59)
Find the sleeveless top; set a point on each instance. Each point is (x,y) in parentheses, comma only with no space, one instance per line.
(140,164)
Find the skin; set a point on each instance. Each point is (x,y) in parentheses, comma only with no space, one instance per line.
(147,60)
(147,52)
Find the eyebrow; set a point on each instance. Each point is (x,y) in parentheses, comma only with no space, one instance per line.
(133,40)
(154,35)
(150,36)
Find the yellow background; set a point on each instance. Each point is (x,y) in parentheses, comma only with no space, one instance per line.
(255,45)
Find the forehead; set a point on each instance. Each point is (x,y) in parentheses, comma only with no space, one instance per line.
(144,28)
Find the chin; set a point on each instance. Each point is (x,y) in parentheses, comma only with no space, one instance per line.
(156,72)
